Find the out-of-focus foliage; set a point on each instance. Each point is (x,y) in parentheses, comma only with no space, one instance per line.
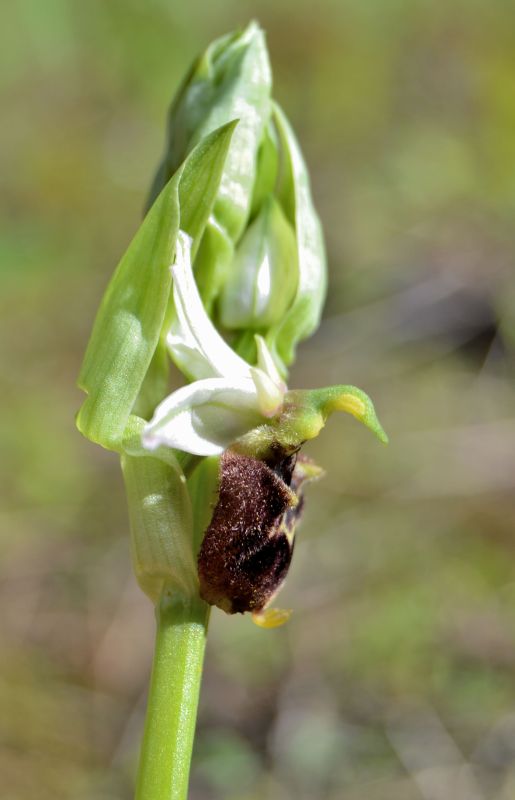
(395,676)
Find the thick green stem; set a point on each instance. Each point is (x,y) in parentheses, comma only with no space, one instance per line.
(173,698)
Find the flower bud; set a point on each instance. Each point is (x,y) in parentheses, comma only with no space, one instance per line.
(263,280)
(232,80)
(260,265)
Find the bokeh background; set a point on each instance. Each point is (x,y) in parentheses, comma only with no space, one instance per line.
(395,678)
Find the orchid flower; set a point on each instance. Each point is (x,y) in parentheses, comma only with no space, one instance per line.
(228,397)
(231,195)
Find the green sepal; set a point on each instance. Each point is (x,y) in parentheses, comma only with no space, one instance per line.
(303,416)
(231,80)
(306,411)
(294,193)
(128,323)
(134,313)
(200,181)
(213,263)
(263,278)
(155,383)
(267,169)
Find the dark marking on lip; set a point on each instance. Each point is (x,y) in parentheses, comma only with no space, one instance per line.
(248,546)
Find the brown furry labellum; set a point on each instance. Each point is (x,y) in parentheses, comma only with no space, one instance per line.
(248,546)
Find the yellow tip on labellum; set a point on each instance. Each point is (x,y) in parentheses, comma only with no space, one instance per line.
(306,412)
(354,402)
(271,617)
(351,404)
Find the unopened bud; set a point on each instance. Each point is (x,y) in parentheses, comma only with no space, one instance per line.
(260,265)
(263,279)
(232,80)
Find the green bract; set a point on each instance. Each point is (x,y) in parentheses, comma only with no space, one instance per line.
(133,316)
(161,526)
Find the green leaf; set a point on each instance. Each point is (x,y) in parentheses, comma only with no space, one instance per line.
(133,315)
(303,316)
(132,445)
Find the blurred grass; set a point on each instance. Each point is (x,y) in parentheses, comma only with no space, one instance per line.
(395,676)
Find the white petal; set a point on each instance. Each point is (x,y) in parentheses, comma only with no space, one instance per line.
(205,417)
(266,362)
(187,357)
(193,332)
(270,395)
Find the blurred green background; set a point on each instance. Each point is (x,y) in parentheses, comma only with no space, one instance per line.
(395,678)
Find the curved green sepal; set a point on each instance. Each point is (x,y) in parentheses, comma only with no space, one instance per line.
(128,323)
(201,178)
(294,193)
(132,315)
(319,404)
(303,416)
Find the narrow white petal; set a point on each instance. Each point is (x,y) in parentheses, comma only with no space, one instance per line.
(266,362)
(270,395)
(193,330)
(205,417)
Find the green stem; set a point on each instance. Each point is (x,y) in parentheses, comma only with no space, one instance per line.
(173,698)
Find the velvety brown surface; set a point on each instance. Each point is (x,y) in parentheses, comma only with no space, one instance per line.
(245,554)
